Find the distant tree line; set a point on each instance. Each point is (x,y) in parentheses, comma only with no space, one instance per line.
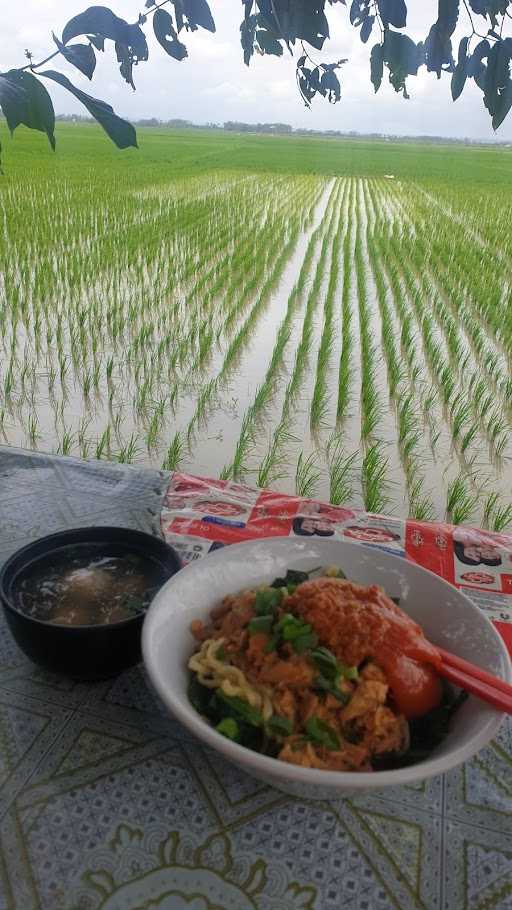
(285,129)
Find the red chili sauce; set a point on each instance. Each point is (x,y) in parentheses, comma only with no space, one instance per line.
(358,623)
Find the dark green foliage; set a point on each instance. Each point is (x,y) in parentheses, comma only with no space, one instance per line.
(122,133)
(271,27)
(80,55)
(167,36)
(25,100)
(426,733)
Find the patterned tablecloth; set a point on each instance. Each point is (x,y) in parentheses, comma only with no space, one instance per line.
(106,803)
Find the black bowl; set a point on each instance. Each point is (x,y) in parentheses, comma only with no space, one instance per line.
(82,652)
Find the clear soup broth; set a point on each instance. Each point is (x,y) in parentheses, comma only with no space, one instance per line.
(81,586)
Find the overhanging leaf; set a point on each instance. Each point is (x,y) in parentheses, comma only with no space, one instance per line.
(460,73)
(503,105)
(393,12)
(366,28)
(80,55)
(99,20)
(403,58)
(24,100)
(164,27)
(359,11)
(377,65)
(120,131)
(97,41)
(198,13)
(268,43)
(438,45)
(248,37)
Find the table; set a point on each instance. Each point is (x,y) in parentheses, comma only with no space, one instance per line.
(107,803)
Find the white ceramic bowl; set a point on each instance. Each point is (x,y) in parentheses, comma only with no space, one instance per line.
(447,616)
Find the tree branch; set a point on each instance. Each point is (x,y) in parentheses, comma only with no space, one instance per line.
(145,14)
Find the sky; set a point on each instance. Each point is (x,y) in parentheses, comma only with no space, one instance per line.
(214,85)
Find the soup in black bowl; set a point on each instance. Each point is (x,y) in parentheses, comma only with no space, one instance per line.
(75,601)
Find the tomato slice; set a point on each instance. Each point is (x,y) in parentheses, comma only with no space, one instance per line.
(416,688)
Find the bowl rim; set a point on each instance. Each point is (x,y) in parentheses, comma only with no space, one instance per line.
(251,760)
(60,538)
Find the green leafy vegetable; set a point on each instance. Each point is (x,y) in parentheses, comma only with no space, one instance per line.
(241,707)
(325,661)
(261,624)
(291,627)
(133,602)
(199,696)
(272,644)
(330,687)
(305,642)
(330,668)
(291,578)
(267,601)
(229,728)
(322,734)
(279,726)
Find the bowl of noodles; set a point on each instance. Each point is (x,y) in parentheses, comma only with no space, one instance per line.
(312,664)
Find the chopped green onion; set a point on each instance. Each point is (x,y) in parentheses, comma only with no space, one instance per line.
(290,627)
(305,642)
(325,685)
(321,733)
(330,668)
(271,644)
(261,624)
(229,728)
(349,672)
(220,653)
(242,708)
(267,601)
(292,578)
(279,726)
(326,662)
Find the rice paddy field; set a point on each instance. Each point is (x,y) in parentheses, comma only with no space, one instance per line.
(332,318)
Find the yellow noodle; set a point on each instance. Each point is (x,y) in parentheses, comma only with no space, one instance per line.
(215,674)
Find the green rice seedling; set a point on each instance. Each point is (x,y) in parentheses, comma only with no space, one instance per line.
(489,508)
(460,502)
(421,507)
(307,475)
(175,453)
(500,444)
(469,437)
(407,419)
(502,518)
(346,332)
(270,470)
(226,472)
(374,479)
(239,467)
(153,431)
(33,433)
(319,401)
(103,444)
(341,473)
(371,409)
(461,415)
(66,442)
(129,451)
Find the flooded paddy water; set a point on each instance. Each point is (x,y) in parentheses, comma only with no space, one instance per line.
(247,325)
